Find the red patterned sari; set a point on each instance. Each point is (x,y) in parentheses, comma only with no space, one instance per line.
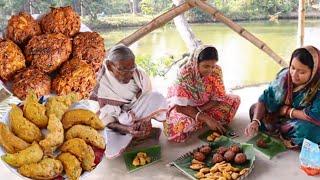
(191,89)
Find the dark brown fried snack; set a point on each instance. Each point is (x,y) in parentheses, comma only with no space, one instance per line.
(61,20)
(31,79)
(75,76)
(199,156)
(229,156)
(48,51)
(22,27)
(221,150)
(11,59)
(205,149)
(89,47)
(235,148)
(240,158)
(217,158)
(261,143)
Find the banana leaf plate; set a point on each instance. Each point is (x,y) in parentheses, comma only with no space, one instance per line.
(230,134)
(183,163)
(274,146)
(154,152)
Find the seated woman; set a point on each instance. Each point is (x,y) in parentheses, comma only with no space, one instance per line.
(198,97)
(291,104)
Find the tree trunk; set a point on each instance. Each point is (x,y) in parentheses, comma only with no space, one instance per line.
(130,6)
(30,7)
(135,6)
(185,30)
(301,20)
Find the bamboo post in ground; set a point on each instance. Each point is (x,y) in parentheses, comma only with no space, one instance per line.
(156,23)
(241,31)
(301,21)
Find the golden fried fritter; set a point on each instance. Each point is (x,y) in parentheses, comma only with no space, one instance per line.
(22,27)
(47,168)
(58,105)
(81,116)
(81,150)
(89,47)
(11,59)
(22,127)
(55,136)
(34,111)
(88,134)
(9,141)
(61,20)
(75,76)
(71,165)
(31,79)
(31,154)
(48,51)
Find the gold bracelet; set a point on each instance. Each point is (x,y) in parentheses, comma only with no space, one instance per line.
(257,120)
(291,111)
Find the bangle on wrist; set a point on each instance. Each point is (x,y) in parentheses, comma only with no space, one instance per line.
(198,115)
(257,120)
(291,113)
(199,109)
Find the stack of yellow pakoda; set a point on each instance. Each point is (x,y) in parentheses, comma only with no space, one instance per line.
(68,146)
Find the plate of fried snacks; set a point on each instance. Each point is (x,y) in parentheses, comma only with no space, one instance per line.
(211,136)
(222,159)
(267,145)
(141,158)
(48,140)
(52,53)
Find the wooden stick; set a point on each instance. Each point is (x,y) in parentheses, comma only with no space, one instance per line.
(156,23)
(241,31)
(301,23)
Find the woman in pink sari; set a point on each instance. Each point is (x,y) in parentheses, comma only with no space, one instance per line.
(198,97)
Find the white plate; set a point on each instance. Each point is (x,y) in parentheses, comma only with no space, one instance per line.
(84,104)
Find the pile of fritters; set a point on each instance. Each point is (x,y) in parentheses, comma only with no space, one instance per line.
(34,52)
(72,144)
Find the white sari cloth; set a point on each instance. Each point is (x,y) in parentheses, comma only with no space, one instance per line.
(119,102)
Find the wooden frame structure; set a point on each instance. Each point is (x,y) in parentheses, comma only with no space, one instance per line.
(189,4)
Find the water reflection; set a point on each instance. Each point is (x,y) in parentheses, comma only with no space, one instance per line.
(241,61)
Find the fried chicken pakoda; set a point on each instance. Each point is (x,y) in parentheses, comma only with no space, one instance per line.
(75,76)
(89,47)
(61,20)
(47,52)
(11,59)
(22,27)
(31,79)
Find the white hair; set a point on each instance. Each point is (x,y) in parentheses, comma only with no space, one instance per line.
(120,52)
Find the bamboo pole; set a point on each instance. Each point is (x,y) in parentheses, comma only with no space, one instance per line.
(156,23)
(301,23)
(241,31)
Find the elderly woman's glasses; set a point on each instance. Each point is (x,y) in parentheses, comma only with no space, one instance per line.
(122,70)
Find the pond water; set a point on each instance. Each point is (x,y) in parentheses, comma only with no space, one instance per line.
(242,62)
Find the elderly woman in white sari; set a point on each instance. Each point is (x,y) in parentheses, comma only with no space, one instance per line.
(127,102)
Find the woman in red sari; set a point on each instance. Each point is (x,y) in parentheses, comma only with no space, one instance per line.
(198,98)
